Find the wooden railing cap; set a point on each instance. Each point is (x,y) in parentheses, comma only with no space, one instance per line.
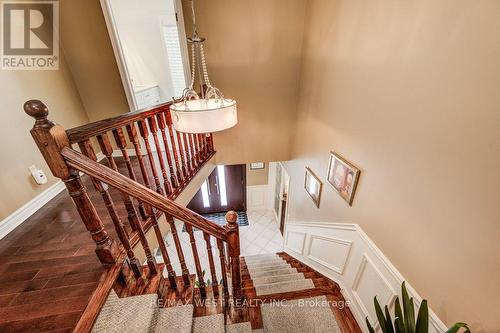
(36,109)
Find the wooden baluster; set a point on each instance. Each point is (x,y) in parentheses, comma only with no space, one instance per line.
(205,145)
(201,148)
(87,150)
(164,253)
(51,139)
(183,156)
(154,132)
(222,258)
(213,272)
(233,244)
(211,143)
(195,151)
(178,247)
(143,129)
(168,120)
(197,148)
(175,178)
(132,135)
(189,154)
(122,145)
(107,150)
(196,257)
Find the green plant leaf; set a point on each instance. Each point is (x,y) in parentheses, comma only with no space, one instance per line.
(423,318)
(399,314)
(370,328)
(209,282)
(380,315)
(409,310)
(388,320)
(455,328)
(400,326)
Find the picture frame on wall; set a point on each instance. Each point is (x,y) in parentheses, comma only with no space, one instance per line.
(343,176)
(313,186)
(257,165)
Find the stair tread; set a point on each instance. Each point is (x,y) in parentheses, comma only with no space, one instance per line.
(268,267)
(265,263)
(278,278)
(262,255)
(130,314)
(283,287)
(175,319)
(304,315)
(281,271)
(244,327)
(208,324)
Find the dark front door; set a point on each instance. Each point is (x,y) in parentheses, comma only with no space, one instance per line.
(224,190)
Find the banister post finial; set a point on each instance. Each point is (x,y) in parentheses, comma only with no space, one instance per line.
(38,110)
(231,217)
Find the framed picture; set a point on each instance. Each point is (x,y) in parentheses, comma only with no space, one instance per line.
(313,186)
(343,176)
(257,165)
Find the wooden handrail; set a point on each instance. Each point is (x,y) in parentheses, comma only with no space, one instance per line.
(87,131)
(124,184)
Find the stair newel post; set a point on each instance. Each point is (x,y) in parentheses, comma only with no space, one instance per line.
(233,244)
(51,139)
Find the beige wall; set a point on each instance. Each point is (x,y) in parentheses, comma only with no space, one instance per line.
(257,177)
(409,91)
(18,150)
(253,52)
(90,56)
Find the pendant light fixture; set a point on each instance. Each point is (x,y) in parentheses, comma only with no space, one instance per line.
(207,111)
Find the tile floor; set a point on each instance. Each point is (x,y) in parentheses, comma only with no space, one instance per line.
(262,235)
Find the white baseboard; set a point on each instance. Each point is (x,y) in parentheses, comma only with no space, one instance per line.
(23,213)
(344,253)
(20,215)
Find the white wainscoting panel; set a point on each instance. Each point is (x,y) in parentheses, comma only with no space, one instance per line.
(344,253)
(369,282)
(329,252)
(258,197)
(295,241)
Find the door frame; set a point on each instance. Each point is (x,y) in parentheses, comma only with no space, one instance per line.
(285,184)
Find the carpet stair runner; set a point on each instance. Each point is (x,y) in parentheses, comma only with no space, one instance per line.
(270,274)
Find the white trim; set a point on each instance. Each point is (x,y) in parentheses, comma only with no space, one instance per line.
(23,213)
(362,252)
(120,57)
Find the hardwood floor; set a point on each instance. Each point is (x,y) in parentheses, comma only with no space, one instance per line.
(48,268)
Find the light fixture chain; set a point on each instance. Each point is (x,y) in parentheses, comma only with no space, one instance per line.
(204,66)
(193,66)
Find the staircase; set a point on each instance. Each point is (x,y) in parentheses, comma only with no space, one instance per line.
(282,295)
(273,292)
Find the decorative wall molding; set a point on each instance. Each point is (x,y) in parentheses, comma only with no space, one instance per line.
(322,253)
(23,213)
(369,282)
(344,253)
(295,241)
(258,197)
